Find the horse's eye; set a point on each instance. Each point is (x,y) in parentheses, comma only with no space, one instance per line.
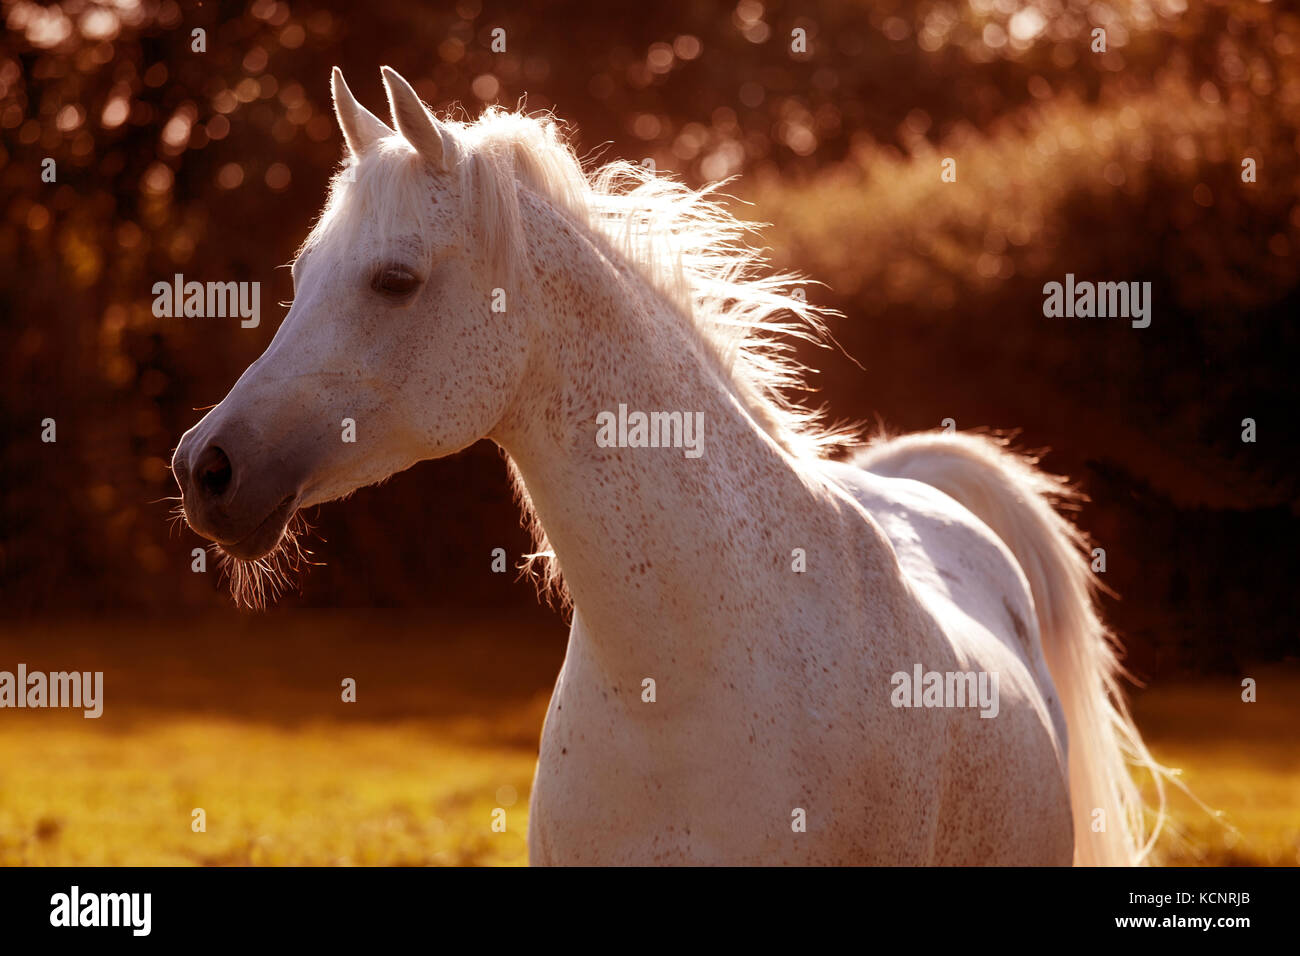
(394,281)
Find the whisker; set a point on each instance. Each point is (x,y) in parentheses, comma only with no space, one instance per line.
(255,583)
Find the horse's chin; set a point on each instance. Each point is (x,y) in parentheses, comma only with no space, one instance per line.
(266,537)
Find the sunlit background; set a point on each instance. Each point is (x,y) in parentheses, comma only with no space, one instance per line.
(1116,165)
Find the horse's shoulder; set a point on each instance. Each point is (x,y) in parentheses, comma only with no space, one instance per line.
(915,513)
(946,553)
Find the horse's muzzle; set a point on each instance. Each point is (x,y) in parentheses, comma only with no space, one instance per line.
(245,512)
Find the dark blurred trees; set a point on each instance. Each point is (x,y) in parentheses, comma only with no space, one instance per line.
(212,164)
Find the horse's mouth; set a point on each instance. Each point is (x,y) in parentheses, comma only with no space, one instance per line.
(263,539)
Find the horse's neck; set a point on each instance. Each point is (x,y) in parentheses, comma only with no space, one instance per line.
(646,536)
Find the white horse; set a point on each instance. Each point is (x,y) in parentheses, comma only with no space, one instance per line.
(774,657)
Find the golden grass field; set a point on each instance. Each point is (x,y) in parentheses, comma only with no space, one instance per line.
(243,718)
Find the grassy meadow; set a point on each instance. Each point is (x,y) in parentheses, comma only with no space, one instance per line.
(243,717)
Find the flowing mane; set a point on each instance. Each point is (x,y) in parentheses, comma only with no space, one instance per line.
(684,243)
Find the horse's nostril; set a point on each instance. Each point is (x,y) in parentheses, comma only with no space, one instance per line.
(212,471)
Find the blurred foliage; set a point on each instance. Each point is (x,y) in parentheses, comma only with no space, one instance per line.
(1115,165)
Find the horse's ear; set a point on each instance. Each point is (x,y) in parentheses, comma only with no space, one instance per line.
(413,119)
(360,126)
